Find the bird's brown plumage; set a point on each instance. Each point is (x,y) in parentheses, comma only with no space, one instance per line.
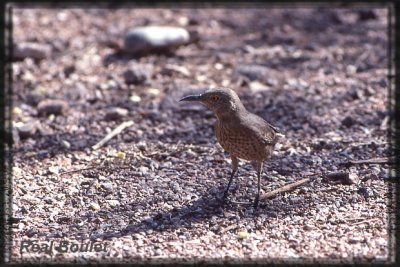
(248,136)
(241,133)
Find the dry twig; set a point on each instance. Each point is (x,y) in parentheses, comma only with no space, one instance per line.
(230,227)
(366,221)
(241,202)
(79,170)
(113,133)
(286,188)
(384,160)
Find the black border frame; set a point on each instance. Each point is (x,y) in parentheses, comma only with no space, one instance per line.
(6,161)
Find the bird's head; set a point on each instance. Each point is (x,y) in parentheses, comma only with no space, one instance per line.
(222,101)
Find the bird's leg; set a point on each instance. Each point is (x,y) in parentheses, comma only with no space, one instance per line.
(234,171)
(258,169)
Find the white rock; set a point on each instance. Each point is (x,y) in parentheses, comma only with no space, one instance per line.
(148,38)
(94,206)
(113,202)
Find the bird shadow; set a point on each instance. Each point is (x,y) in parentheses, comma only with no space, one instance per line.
(205,209)
(201,209)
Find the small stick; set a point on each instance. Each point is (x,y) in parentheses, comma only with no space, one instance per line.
(83,169)
(113,133)
(365,221)
(230,227)
(240,202)
(286,188)
(384,160)
(78,170)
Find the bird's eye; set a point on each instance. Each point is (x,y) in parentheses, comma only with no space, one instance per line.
(214,98)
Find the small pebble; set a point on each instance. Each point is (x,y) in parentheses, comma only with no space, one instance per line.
(121,155)
(243,234)
(54,169)
(253,72)
(348,121)
(153,92)
(16,171)
(364,15)
(136,75)
(365,191)
(135,98)
(295,200)
(94,206)
(107,186)
(65,144)
(113,203)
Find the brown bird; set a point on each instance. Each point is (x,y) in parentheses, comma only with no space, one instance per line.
(241,133)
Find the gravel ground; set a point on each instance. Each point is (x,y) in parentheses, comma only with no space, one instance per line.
(151,194)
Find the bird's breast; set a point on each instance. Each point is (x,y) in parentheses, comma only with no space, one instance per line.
(240,142)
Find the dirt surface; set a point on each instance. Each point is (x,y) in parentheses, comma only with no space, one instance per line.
(152,193)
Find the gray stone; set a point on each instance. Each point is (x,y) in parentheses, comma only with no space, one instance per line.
(32,50)
(52,106)
(33,98)
(343,177)
(65,144)
(253,72)
(348,121)
(28,129)
(113,202)
(365,191)
(296,200)
(141,40)
(137,75)
(364,15)
(116,113)
(107,186)
(144,169)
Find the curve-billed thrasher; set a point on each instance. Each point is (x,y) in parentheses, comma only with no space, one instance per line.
(241,133)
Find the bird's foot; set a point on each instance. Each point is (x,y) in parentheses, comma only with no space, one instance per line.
(225,196)
(256,203)
(225,201)
(235,188)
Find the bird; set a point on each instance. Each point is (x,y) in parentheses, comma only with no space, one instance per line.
(244,135)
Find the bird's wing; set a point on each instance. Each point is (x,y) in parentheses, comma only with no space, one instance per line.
(262,130)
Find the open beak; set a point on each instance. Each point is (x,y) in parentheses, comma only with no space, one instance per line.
(191,98)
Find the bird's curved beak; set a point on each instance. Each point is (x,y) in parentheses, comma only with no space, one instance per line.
(191,98)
